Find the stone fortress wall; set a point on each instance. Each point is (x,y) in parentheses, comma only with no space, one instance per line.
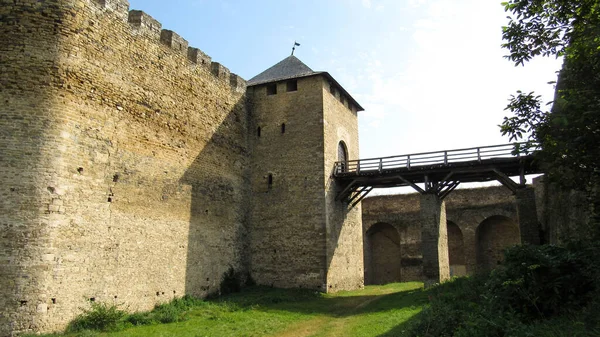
(123,165)
(131,171)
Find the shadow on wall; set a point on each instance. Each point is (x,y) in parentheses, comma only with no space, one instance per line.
(456,250)
(218,220)
(27,124)
(495,234)
(383,254)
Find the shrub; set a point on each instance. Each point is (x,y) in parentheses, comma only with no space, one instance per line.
(545,291)
(101,317)
(541,281)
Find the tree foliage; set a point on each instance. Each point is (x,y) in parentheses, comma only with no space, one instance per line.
(569,134)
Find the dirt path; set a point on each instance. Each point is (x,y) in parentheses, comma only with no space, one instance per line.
(330,325)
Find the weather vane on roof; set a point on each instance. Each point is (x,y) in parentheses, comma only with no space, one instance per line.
(294,47)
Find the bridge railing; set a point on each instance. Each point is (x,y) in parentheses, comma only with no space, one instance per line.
(429,159)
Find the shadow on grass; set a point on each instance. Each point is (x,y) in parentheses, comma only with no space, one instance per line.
(335,305)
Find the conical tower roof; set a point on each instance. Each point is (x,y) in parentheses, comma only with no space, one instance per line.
(289,67)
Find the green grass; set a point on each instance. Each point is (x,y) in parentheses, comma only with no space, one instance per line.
(260,311)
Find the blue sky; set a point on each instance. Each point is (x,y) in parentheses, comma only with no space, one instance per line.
(429,73)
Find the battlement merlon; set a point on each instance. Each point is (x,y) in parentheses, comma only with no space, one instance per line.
(119,7)
(220,71)
(174,41)
(198,57)
(145,24)
(237,83)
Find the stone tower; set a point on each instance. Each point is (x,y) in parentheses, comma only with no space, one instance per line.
(301,122)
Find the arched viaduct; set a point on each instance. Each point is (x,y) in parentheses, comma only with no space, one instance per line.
(480,224)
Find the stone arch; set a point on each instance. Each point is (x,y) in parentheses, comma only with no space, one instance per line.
(382,254)
(494,234)
(456,250)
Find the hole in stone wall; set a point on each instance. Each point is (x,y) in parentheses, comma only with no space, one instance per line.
(115,178)
(258,131)
(158,293)
(115,296)
(282,127)
(12,189)
(162,293)
(174,292)
(206,211)
(270,180)
(51,189)
(207,279)
(23,302)
(92,299)
(53,300)
(80,170)
(109,199)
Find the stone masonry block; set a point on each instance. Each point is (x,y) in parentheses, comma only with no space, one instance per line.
(173,41)
(197,56)
(145,24)
(220,71)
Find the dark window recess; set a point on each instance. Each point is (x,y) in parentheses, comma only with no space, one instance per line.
(272,89)
(342,156)
(270,181)
(292,85)
(282,127)
(258,131)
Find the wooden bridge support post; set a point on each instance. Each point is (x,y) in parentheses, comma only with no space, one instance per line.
(434,239)
(529,225)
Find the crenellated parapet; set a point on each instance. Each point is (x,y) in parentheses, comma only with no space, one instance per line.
(145,25)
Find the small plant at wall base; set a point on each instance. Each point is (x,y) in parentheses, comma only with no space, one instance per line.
(100,317)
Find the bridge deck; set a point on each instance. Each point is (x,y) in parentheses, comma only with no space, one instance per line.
(440,170)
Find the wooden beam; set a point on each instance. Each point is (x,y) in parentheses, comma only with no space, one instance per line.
(342,194)
(411,184)
(506,181)
(362,196)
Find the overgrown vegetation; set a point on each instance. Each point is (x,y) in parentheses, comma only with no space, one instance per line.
(568,134)
(265,311)
(537,291)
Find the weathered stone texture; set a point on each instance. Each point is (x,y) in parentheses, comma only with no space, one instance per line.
(434,239)
(466,209)
(284,166)
(563,214)
(123,168)
(343,225)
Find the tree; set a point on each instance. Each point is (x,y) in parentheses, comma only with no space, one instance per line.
(568,136)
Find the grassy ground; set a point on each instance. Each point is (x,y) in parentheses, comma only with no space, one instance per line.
(258,311)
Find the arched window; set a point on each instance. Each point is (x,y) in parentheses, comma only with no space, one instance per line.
(342,156)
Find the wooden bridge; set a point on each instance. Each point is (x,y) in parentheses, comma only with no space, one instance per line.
(440,172)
